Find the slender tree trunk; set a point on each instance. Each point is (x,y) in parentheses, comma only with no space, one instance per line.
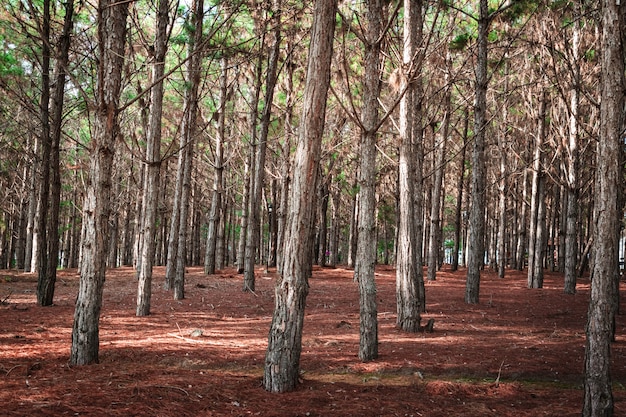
(458,216)
(502,187)
(258,178)
(434,238)
(153,158)
(476,234)
(216,202)
(571,227)
(282,359)
(537,203)
(520,252)
(286,155)
(111,22)
(47,271)
(366,238)
(177,248)
(44,289)
(408,305)
(598,395)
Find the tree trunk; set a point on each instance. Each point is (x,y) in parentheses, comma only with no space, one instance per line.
(258,176)
(537,203)
(598,395)
(434,238)
(458,214)
(45,291)
(282,359)
(177,248)
(111,22)
(366,238)
(286,157)
(407,267)
(153,159)
(476,234)
(571,226)
(216,201)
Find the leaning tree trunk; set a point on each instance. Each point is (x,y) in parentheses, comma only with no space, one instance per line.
(476,234)
(408,302)
(598,395)
(258,176)
(216,202)
(111,35)
(153,158)
(282,359)
(366,238)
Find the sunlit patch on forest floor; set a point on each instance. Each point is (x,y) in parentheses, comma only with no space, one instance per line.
(519,352)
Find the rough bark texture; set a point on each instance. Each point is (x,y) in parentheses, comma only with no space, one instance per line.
(216,202)
(571,226)
(258,176)
(407,292)
(458,213)
(476,233)
(282,360)
(111,42)
(366,238)
(177,250)
(598,395)
(153,158)
(45,288)
(537,204)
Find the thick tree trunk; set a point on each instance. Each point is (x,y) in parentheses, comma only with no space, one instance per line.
(598,395)
(153,158)
(366,238)
(282,359)
(476,234)
(210,255)
(408,269)
(111,43)
(258,175)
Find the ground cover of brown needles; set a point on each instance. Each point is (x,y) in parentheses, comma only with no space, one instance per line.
(519,352)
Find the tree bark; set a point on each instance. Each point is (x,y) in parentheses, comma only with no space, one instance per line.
(476,233)
(598,395)
(537,203)
(366,238)
(111,20)
(282,359)
(258,175)
(44,290)
(458,216)
(153,159)
(408,305)
(216,201)
(571,226)
(177,249)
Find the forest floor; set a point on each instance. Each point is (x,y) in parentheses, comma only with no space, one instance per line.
(517,353)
